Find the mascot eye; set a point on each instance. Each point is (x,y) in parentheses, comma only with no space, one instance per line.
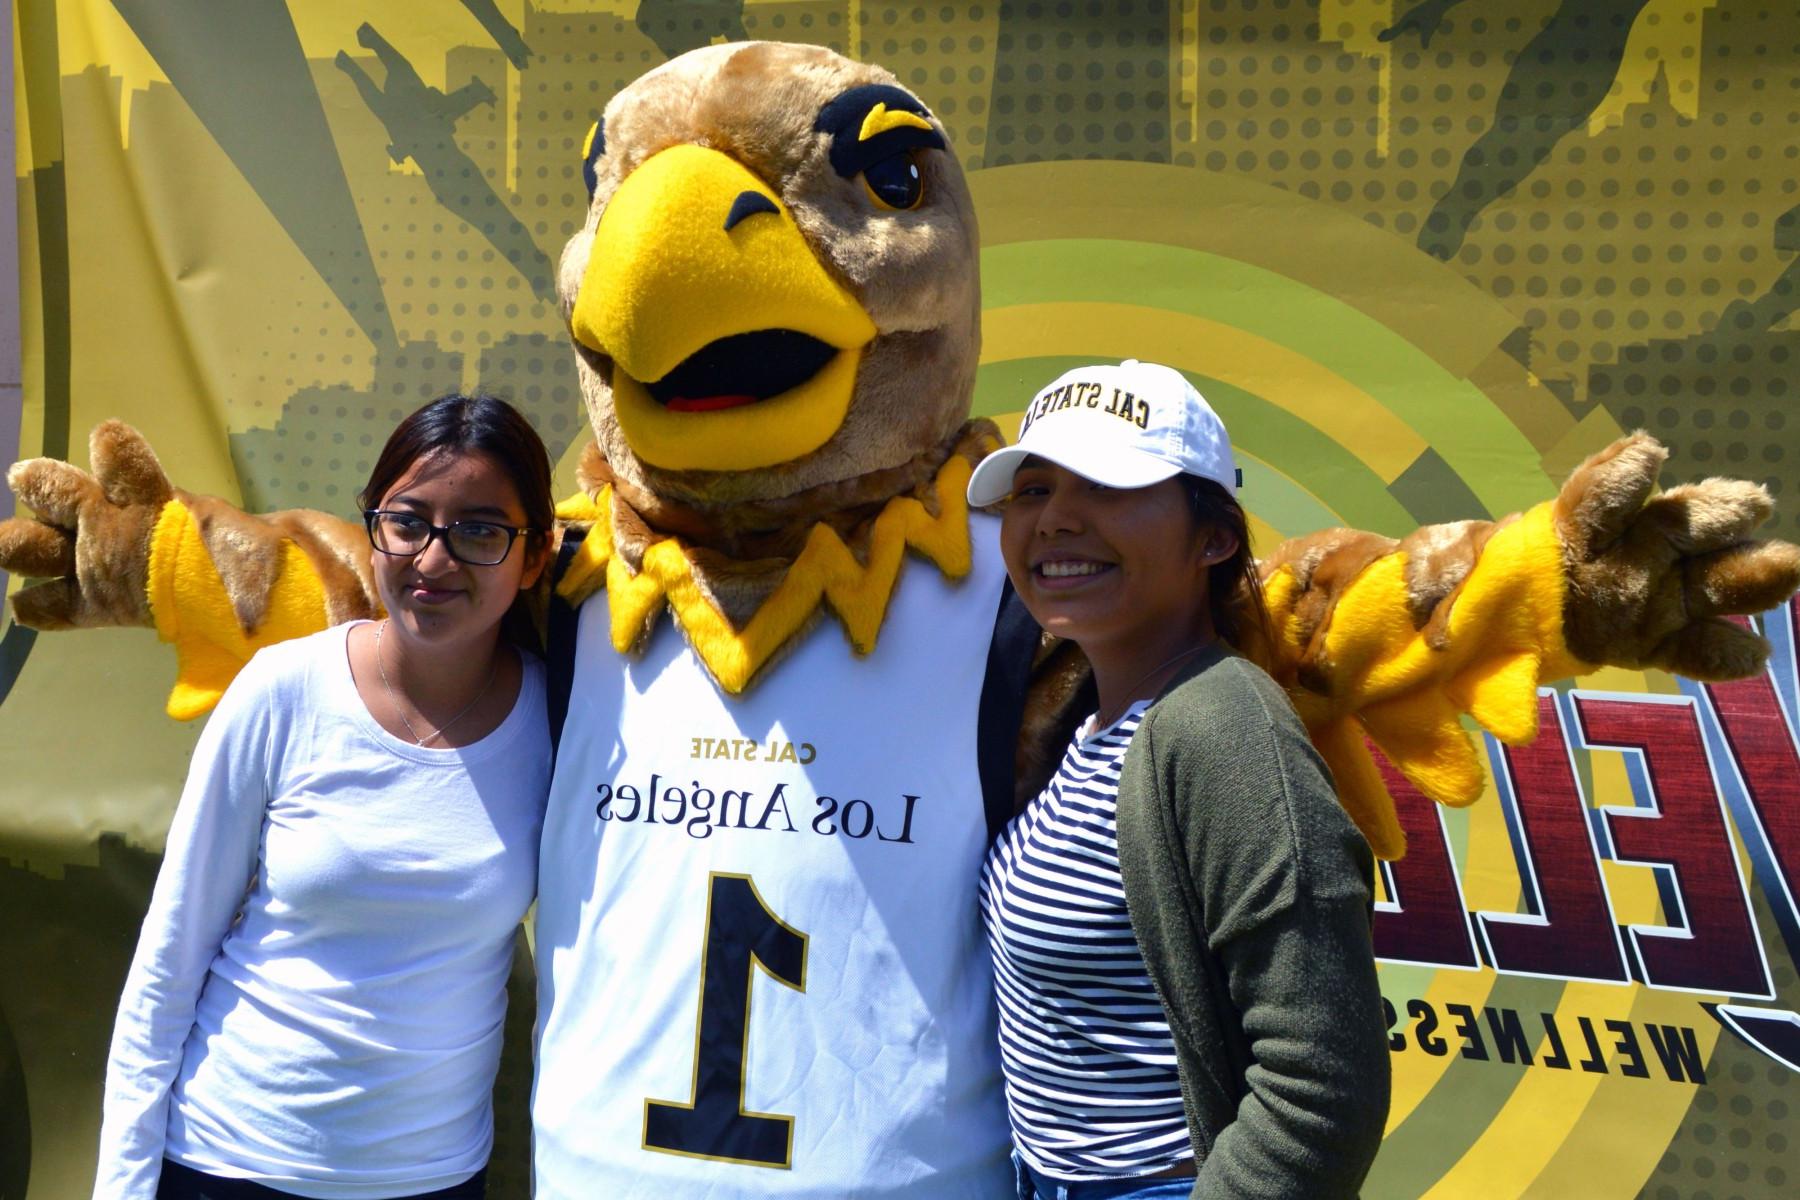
(896,182)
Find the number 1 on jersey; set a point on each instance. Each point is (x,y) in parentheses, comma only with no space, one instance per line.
(741,935)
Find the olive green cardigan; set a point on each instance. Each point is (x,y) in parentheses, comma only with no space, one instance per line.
(1249,892)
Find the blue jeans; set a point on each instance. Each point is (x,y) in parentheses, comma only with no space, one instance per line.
(1035,1186)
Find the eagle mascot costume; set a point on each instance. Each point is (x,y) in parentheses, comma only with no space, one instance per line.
(761,968)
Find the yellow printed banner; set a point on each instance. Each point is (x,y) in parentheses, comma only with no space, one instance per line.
(1422,256)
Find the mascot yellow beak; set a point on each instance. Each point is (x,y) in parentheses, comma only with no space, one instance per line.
(732,347)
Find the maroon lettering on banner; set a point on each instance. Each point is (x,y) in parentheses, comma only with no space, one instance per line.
(1763,745)
(1567,930)
(1710,943)
(1423,920)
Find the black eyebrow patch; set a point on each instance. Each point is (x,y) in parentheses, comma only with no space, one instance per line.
(843,120)
(748,204)
(590,161)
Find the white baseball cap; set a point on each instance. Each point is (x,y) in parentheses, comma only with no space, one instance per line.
(1127,426)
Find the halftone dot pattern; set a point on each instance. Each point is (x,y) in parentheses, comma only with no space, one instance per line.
(1081,79)
(305,334)
(321,450)
(481,132)
(1652,254)
(825,25)
(1632,288)
(454,297)
(1734,1143)
(582,61)
(1649,261)
(534,373)
(945,54)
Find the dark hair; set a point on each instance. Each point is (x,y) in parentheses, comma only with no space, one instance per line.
(489,426)
(1240,615)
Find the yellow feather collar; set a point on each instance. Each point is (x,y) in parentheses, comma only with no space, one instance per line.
(824,572)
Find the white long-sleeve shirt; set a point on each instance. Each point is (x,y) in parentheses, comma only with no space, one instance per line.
(317,995)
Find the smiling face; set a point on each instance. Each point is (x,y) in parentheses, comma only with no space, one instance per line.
(434,600)
(775,288)
(1108,567)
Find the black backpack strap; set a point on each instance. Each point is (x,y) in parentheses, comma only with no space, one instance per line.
(559,648)
(1009,657)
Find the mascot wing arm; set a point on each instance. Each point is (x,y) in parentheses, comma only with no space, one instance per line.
(124,547)
(1393,641)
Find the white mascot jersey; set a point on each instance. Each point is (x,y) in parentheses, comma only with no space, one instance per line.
(762,970)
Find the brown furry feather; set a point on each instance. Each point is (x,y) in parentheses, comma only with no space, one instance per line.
(1650,576)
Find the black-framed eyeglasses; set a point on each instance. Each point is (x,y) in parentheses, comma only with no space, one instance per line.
(403,535)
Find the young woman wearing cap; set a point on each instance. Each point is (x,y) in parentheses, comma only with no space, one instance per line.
(1180,920)
(315,1004)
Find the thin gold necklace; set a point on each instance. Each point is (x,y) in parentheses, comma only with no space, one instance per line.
(401,712)
(1101,722)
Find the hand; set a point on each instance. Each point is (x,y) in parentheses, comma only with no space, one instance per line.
(1652,577)
(91,536)
(1422,19)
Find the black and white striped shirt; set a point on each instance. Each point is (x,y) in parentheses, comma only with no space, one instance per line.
(1089,1061)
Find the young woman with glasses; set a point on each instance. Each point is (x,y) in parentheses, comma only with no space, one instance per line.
(316,1001)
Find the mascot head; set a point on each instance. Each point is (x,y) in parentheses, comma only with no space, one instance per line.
(774,288)
(775,293)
